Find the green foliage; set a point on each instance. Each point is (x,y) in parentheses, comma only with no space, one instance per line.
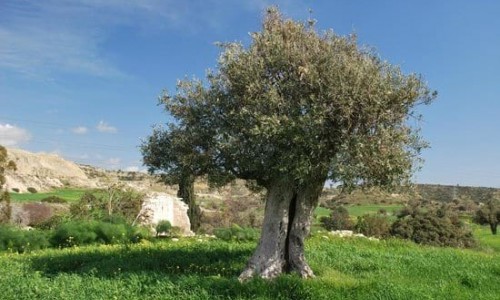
(375,225)
(433,227)
(237,233)
(77,233)
(338,220)
(101,205)
(163,227)
(294,104)
(17,240)
(32,190)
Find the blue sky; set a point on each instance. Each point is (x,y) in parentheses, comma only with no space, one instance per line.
(81,77)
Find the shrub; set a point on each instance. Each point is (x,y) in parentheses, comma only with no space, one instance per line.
(15,190)
(32,190)
(237,233)
(163,228)
(53,199)
(433,227)
(77,233)
(375,225)
(37,213)
(18,240)
(109,233)
(74,234)
(338,220)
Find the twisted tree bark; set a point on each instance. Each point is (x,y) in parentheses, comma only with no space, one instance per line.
(287,222)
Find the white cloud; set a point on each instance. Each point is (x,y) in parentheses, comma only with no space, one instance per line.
(80,130)
(51,36)
(105,127)
(11,135)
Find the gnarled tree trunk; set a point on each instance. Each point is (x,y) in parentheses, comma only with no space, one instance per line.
(287,222)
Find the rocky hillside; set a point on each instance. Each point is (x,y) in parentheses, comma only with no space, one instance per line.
(45,172)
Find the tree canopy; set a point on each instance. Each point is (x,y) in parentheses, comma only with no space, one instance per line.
(297,103)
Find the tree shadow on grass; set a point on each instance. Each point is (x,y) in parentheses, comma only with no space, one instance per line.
(102,262)
(212,271)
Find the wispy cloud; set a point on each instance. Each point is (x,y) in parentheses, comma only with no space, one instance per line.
(79,130)
(52,36)
(106,128)
(11,135)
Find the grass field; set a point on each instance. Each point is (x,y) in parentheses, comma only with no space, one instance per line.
(357,210)
(486,239)
(193,269)
(70,195)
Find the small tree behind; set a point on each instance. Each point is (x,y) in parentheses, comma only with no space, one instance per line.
(489,214)
(338,220)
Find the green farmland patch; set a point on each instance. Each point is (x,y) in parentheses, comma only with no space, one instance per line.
(71,195)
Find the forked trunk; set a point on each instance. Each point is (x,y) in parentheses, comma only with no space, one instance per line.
(286,224)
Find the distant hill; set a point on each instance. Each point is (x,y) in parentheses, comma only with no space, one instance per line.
(448,193)
(44,172)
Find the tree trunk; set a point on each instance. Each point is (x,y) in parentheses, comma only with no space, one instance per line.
(286,224)
(186,193)
(493,227)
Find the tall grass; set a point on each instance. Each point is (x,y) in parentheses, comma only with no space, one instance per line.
(208,269)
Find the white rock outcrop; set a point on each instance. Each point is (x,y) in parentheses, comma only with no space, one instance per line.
(161,206)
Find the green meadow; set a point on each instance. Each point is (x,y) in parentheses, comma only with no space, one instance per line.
(69,194)
(201,268)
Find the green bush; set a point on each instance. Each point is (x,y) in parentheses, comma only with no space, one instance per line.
(433,227)
(32,190)
(18,240)
(338,220)
(54,199)
(109,233)
(375,225)
(74,233)
(163,227)
(77,233)
(237,233)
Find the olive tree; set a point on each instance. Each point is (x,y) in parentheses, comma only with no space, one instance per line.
(489,213)
(293,109)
